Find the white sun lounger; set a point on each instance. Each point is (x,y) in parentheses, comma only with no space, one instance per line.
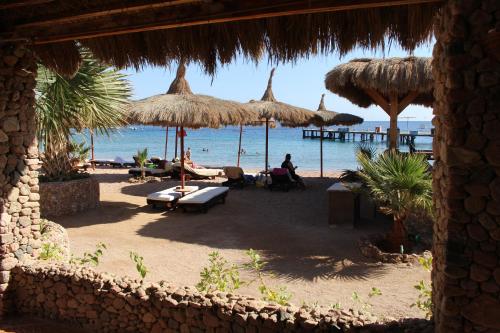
(203,199)
(169,197)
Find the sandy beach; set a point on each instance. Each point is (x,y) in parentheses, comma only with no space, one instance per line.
(317,263)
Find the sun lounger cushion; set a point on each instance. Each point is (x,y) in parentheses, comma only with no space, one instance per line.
(233,172)
(170,194)
(206,173)
(148,171)
(203,196)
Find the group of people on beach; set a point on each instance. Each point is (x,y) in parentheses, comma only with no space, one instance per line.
(287,164)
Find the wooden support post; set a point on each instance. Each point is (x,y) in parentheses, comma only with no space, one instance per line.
(393,130)
(321,150)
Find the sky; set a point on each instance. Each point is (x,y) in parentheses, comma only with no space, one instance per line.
(300,84)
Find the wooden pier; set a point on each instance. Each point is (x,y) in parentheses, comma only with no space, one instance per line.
(405,137)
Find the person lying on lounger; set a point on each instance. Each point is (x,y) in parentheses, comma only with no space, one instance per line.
(287,164)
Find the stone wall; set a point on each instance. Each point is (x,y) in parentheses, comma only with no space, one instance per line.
(104,303)
(466,276)
(19,208)
(68,197)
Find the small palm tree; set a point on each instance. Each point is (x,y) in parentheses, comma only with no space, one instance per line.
(401,184)
(92,99)
(142,157)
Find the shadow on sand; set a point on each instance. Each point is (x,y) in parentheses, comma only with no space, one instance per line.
(290,230)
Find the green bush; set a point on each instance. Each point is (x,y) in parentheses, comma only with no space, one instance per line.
(219,275)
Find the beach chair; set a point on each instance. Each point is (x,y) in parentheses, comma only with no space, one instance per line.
(119,162)
(202,200)
(168,198)
(153,172)
(197,173)
(280,178)
(235,177)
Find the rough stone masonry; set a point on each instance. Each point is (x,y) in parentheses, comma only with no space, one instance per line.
(466,274)
(19,207)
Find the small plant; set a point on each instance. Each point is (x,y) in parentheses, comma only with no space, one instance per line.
(366,305)
(366,150)
(90,258)
(280,295)
(374,292)
(335,306)
(424,301)
(50,251)
(219,275)
(139,264)
(142,158)
(78,153)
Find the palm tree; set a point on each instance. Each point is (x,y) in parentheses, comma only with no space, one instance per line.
(92,99)
(141,158)
(401,184)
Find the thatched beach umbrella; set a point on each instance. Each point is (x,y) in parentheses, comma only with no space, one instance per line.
(270,109)
(180,107)
(324,117)
(392,84)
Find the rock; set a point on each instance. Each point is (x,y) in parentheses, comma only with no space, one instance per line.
(8,263)
(11,124)
(148,318)
(458,156)
(10,60)
(210,320)
(118,303)
(479,273)
(474,204)
(6,238)
(477,232)
(483,311)
(14,194)
(3,136)
(24,221)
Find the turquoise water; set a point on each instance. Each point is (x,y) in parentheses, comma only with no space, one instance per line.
(222,145)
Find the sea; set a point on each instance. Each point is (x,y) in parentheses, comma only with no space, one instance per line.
(219,147)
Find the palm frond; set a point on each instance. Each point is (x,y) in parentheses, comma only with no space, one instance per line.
(399,182)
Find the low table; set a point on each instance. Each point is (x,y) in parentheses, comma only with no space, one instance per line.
(343,204)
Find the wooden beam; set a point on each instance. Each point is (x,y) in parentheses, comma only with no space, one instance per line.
(407,100)
(154,15)
(107,11)
(6,4)
(378,99)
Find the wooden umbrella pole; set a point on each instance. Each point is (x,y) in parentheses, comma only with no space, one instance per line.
(321,150)
(176,136)
(393,129)
(182,157)
(239,145)
(92,148)
(166,143)
(267,144)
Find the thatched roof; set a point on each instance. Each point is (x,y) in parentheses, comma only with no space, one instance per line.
(324,117)
(385,76)
(283,38)
(180,107)
(288,115)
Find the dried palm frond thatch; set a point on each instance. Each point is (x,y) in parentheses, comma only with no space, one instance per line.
(282,39)
(180,107)
(324,117)
(288,115)
(386,76)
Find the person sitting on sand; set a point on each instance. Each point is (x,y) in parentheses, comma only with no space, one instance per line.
(287,164)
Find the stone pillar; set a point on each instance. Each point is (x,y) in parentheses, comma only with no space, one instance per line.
(19,207)
(466,275)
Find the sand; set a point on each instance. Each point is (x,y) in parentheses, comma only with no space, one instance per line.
(318,264)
